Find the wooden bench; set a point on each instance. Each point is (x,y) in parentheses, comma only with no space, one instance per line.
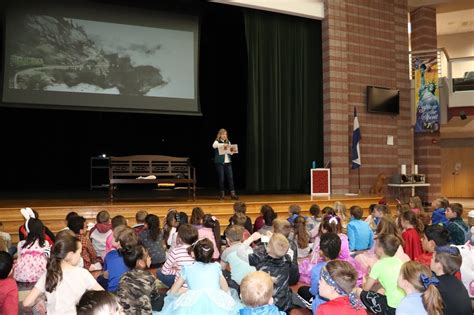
(167,169)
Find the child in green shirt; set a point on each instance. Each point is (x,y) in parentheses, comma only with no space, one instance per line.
(386,272)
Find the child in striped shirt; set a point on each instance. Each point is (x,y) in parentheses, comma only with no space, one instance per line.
(179,255)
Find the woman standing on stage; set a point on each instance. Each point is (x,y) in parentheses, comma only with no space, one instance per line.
(223,164)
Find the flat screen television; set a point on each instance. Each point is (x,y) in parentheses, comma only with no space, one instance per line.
(383,100)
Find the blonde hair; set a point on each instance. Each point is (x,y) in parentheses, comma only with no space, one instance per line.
(140,216)
(411,271)
(416,201)
(340,210)
(282,226)
(279,245)
(221,131)
(256,289)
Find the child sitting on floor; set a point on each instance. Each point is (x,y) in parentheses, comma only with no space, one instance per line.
(117,221)
(386,272)
(412,234)
(211,229)
(340,211)
(239,267)
(284,227)
(77,224)
(178,256)
(445,263)
(329,248)
(140,219)
(63,283)
(301,237)
(439,213)
(99,233)
(433,236)
(276,262)
(239,219)
(359,233)
(8,287)
(207,292)
(459,231)
(256,292)
(422,296)
(241,207)
(98,303)
(137,286)
(152,239)
(114,264)
(313,221)
(416,205)
(170,228)
(338,279)
(371,220)
(33,253)
(23,232)
(294,212)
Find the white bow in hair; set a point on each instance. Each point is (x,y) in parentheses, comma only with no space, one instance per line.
(27,214)
(333,220)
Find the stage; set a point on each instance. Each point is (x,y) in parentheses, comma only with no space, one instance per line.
(53,206)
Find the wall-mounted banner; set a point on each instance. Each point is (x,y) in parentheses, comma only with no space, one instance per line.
(426,94)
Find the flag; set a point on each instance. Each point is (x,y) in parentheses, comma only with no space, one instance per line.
(355,143)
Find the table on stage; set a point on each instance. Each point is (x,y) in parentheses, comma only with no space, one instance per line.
(412,186)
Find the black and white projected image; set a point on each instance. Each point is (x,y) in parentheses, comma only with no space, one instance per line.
(50,53)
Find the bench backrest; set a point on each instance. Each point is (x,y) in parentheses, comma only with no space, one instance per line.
(144,165)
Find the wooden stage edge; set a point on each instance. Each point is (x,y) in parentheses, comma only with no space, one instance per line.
(53,211)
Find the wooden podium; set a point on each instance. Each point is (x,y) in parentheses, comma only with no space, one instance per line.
(320,181)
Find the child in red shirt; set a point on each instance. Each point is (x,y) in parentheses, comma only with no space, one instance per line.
(411,236)
(338,279)
(8,288)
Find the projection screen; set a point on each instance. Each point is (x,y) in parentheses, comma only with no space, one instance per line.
(102,60)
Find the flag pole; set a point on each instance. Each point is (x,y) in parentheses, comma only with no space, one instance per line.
(358,175)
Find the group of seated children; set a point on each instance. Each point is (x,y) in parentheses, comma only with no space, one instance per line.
(382,265)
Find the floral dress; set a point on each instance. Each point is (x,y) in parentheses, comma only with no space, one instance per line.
(31,262)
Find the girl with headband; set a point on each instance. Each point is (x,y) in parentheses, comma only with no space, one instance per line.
(422,295)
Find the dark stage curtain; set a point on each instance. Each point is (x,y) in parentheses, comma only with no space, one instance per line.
(285,114)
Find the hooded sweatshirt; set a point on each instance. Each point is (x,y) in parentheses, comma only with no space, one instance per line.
(439,217)
(98,235)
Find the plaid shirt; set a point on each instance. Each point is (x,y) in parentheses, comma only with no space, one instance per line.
(88,252)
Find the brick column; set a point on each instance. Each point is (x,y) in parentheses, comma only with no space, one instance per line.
(365,43)
(427,145)
(335,93)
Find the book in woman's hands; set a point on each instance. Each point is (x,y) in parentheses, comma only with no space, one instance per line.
(228,149)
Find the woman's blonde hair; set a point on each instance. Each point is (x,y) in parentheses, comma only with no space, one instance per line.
(412,272)
(221,131)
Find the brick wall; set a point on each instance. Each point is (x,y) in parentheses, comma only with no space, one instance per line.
(427,145)
(365,43)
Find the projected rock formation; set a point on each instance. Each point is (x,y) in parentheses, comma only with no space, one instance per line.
(53,53)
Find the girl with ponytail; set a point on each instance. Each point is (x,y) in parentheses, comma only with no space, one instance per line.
(211,229)
(422,295)
(33,253)
(413,229)
(64,282)
(301,236)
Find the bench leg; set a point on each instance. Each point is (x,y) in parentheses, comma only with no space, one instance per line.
(194,191)
(189,191)
(111,192)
